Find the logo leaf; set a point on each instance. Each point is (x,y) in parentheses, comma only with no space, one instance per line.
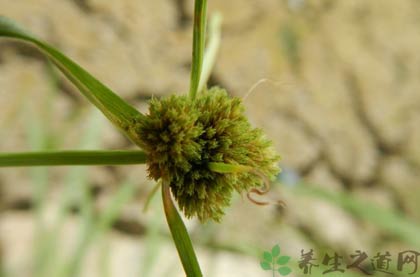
(284,270)
(267,256)
(282,260)
(265,265)
(275,251)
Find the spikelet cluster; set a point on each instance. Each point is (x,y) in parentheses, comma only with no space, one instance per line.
(181,136)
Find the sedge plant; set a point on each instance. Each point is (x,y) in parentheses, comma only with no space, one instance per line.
(199,147)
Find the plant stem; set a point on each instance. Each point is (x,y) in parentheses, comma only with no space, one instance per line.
(274,272)
(199,34)
(180,235)
(84,157)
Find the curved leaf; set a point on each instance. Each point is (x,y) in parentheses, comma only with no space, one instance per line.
(119,112)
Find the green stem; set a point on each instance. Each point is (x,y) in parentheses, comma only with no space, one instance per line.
(199,34)
(180,235)
(274,272)
(84,157)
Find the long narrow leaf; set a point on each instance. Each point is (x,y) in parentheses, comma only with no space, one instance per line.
(199,34)
(119,112)
(213,45)
(180,235)
(84,157)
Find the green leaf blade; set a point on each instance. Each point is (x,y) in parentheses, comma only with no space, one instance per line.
(83,157)
(284,270)
(119,112)
(275,251)
(199,33)
(283,260)
(180,235)
(268,257)
(11,29)
(265,265)
(212,48)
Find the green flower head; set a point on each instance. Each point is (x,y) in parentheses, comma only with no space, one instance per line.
(181,136)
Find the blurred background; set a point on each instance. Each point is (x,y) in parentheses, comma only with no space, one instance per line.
(338,93)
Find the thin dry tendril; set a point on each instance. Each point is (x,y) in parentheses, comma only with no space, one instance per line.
(265,189)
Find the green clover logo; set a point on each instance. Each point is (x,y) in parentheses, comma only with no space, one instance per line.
(274,262)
